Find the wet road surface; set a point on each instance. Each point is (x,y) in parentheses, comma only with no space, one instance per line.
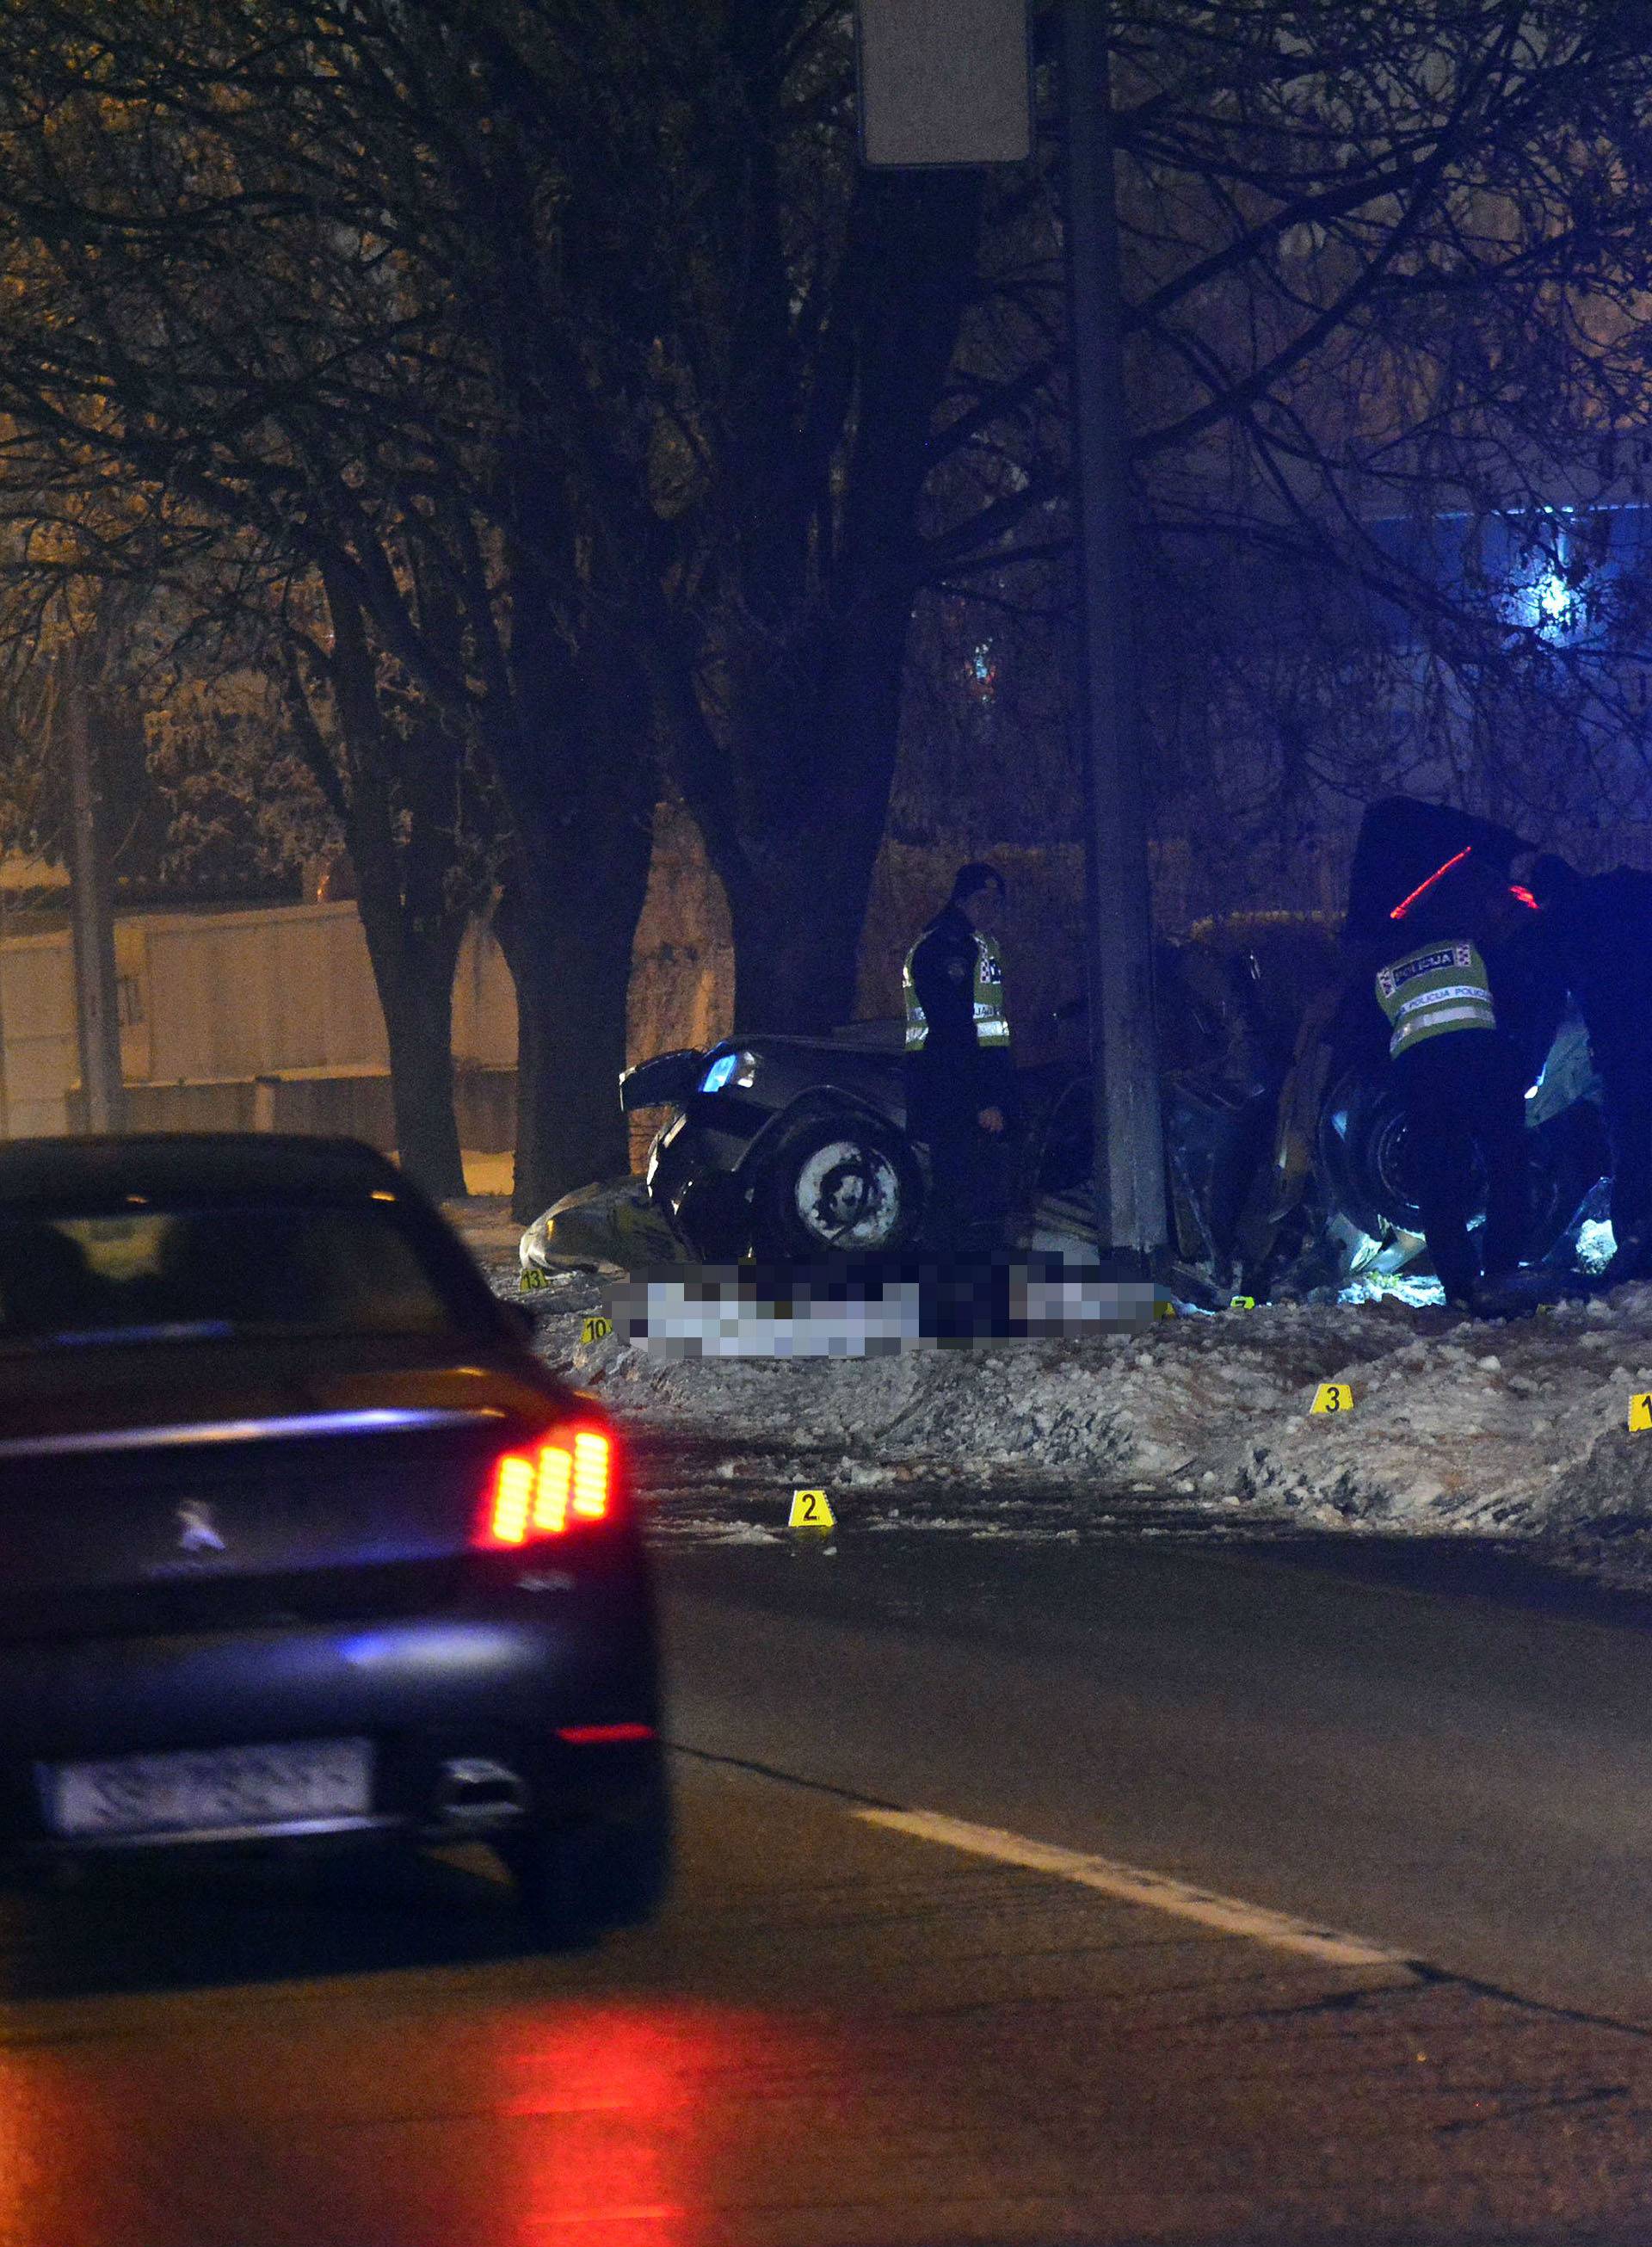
(840,2035)
(834,2034)
(1466,1780)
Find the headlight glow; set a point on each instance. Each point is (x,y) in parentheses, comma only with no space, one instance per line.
(729,1069)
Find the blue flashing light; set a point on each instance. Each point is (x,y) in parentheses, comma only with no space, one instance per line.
(719,1072)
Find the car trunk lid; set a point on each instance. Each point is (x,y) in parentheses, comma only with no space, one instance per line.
(273,1488)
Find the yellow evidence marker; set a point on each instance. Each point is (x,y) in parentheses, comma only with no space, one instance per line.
(1641,1410)
(596,1329)
(534,1277)
(1333,1396)
(810,1510)
(1243,1303)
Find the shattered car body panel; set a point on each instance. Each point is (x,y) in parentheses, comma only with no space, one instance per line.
(612,1226)
(1337,1197)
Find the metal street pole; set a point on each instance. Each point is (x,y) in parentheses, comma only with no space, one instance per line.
(5,1108)
(91,910)
(1132,1218)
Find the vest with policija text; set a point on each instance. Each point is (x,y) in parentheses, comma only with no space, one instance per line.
(992,1023)
(1438,987)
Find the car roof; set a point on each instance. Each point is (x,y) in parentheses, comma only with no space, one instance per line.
(196,1165)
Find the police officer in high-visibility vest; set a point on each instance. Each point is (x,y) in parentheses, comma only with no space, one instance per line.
(960,1095)
(1461,1082)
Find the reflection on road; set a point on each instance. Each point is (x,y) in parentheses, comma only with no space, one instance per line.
(198,2060)
(650,2122)
(837,2036)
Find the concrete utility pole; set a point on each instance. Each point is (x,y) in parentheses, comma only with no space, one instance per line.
(1130,1214)
(5,1110)
(92,907)
(947,82)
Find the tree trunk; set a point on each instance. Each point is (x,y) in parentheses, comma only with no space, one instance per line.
(568,942)
(583,820)
(788,763)
(415,953)
(415,991)
(403,856)
(799,883)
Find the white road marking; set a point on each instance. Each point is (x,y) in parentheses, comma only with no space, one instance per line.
(1130,1885)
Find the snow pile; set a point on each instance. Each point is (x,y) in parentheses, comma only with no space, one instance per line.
(1509,1430)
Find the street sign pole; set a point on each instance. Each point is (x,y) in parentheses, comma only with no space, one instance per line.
(1132,1218)
(91,906)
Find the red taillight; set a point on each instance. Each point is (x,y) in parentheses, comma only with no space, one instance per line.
(593,1736)
(536,1493)
(1405,903)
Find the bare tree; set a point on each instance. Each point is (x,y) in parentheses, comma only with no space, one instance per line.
(294,275)
(586,318)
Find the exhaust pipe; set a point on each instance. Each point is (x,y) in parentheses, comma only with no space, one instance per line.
(474,1795)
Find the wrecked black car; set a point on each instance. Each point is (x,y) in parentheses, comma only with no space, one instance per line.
(786,1148)
(1285,1137)
(1341,1188)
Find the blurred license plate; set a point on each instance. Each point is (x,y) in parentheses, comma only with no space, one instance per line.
(219,1790)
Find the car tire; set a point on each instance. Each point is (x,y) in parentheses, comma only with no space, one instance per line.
(1362,1161)
(810,1186)
(1361,1147)
(581,1880)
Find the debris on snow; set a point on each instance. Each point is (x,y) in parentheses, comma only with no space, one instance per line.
(1516,1429)
(1527,1440)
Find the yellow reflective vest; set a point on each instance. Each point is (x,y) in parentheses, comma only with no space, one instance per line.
(1436,988)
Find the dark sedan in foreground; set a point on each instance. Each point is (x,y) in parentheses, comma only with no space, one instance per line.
(301,1545)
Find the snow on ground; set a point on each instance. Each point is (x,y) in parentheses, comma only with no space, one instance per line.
(1497,1429)
(1516,1432)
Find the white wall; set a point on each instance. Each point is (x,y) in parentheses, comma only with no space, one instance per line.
(36,1010)
(211,997)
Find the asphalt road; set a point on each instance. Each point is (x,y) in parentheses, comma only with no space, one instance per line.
(1465,1780)
(842,2034)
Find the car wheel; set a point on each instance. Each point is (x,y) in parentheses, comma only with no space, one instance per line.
(1361,1154)
(1364,1166)
(838,1185)
(577,1879)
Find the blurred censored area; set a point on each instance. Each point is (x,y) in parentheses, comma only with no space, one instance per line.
(849,1309)
(155,1273)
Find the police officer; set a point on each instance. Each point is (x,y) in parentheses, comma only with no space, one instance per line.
(1603,925)
(959,1078)
(1461,1080)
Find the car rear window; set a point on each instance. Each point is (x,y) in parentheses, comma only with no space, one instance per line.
(156,1274)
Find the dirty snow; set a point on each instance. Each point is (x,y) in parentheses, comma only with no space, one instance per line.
(1516,1432)
(1455,1426)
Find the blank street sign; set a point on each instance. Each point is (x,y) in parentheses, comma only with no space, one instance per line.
(944,82)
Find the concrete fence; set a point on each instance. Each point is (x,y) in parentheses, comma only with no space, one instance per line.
(265,1018)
